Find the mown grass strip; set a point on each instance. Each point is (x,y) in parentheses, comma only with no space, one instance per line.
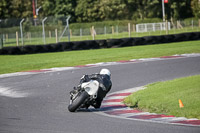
(163,97)
(15,63)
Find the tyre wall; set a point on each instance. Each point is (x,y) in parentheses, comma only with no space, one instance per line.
(96,44)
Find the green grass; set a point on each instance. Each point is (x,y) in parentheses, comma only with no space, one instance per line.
(15,63)
(163,97)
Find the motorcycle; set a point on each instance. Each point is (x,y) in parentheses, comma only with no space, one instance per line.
(84,96)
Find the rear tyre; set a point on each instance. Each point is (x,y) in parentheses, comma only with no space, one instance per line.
(80,99)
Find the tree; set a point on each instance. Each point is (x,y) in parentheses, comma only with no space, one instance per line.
(99,10)
(195,4)
(145,8)
(178,9)
(4,9)
(154,9)
(65,8)
(19,10)
(48,7)
(88,11)
(114,9)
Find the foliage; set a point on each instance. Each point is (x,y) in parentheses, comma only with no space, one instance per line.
(88,10)
(196,8)
(145,8)
(59,8)
(100,10)
(114,9)
(176,9)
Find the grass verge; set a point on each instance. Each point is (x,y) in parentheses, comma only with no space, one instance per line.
(15,63)
(163,97)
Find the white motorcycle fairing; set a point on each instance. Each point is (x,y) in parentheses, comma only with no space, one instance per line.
(91,87)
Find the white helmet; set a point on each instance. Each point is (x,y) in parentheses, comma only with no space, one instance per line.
(105,71)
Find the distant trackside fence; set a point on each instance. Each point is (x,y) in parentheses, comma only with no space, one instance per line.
(48,30)
(96,44)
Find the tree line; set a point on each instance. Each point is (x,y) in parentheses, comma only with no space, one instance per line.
(101,10)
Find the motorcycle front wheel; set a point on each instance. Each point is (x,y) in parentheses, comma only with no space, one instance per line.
(80,99)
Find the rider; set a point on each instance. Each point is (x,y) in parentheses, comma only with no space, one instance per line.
(105,84)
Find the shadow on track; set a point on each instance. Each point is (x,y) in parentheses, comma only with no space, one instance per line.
(102,109)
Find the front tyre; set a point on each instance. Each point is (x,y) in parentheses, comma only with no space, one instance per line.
(80,99)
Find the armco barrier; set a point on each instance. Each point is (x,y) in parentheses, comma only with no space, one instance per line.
(96,44)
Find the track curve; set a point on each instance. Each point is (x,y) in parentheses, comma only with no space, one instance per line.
(44,107)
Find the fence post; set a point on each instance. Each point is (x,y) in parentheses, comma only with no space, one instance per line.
(137,28)
(179,26)
(145,27)
(129,29)
(166,25)
(30,36)
(67,20)
(56,34)
(117,29)
(133,27)
(105,30)
(49,34)
(113,30)
(192,24)
(17,38)
(70,32)
(6,37)
(93,33)
(66,28)
(43,29)
(81,33)
(21,31)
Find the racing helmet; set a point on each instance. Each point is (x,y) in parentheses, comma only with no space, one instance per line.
(105,71)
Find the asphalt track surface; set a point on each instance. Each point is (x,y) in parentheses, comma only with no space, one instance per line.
(45,97)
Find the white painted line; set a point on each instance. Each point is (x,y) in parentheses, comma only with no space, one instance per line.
(135,114)
(60,68)
(114,97)
(190,55)
(15,74)
(169,119)
(9,92)
(149,59)
(118,109)
(134,60)
(112,103)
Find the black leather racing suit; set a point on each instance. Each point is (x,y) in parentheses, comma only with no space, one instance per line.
(105,85)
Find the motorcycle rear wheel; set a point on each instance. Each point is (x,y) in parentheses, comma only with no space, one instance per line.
(80,99)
